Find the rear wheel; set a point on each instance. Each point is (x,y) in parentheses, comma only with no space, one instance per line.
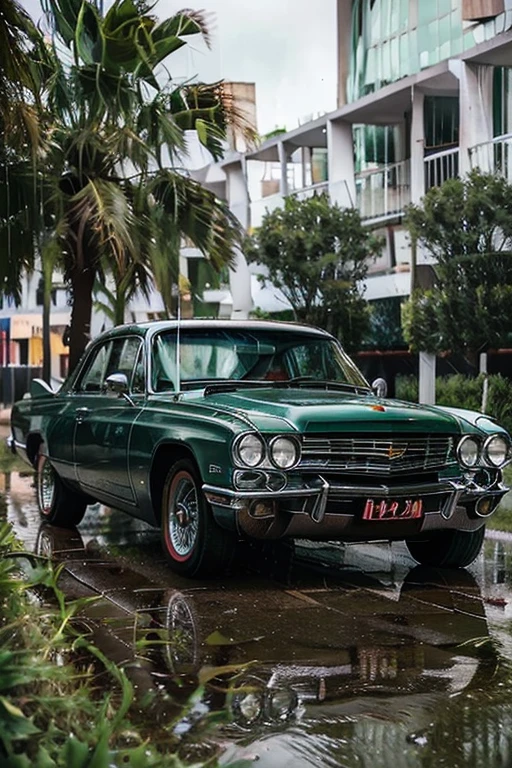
(193,542)
(57,503)
(448,549)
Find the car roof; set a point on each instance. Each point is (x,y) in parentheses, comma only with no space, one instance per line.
(155,326)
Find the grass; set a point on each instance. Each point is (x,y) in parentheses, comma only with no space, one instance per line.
(62,703)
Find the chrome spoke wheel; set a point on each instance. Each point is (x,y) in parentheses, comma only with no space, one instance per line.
(182,641)
(183,515)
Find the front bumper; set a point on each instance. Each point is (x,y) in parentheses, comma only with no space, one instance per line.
(325,509)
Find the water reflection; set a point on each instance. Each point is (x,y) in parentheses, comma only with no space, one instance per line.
(319,671)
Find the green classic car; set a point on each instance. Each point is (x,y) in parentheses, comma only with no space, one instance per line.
(219,431)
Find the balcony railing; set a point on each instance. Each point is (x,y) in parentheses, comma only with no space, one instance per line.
(440,167)
(385,192)
(494,156)
(265,205)
(314,189)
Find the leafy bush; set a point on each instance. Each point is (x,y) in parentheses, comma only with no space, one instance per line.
(460,391)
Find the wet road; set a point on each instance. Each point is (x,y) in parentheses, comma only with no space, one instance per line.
(335,656)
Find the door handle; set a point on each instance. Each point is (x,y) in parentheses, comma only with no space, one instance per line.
(81,413)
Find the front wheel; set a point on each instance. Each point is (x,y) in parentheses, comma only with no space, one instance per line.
(57,503)
(448,549)
(193,542)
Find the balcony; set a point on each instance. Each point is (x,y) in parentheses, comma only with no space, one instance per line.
(382,194)
(494,156)
(441,166)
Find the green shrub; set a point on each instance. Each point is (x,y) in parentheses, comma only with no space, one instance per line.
(407,388)
(460,391)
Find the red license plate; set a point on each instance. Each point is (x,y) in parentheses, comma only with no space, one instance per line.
(389,509)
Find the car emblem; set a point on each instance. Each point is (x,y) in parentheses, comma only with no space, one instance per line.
(396,452)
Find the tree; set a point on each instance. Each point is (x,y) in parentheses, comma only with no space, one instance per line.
(318,254)
(110,176)
(20,80)
(466,225)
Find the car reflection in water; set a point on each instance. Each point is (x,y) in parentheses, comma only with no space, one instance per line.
(284,656)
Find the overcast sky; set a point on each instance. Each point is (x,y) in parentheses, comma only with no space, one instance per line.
(287,47)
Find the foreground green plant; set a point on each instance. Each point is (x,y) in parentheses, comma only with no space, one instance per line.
(55,708)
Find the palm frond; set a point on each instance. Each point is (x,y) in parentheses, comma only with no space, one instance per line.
(210,109)
(198,215)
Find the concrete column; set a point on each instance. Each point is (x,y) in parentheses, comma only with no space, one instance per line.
(427,367)
(476,102)
(340,163)
(427,393)
(306,164)
(283,162)
(344,28)
(417,146)
(239,275)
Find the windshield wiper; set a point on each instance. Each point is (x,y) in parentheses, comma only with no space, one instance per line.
(231,385)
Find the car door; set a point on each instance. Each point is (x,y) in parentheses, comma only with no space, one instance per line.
(105,420)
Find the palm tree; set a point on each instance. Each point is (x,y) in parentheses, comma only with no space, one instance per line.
(20,80)
(118,194)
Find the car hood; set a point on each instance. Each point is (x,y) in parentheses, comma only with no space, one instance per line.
(327,411)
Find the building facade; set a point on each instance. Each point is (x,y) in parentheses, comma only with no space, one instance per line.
(424,95)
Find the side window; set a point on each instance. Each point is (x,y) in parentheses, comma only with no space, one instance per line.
(124,358)
(94,375)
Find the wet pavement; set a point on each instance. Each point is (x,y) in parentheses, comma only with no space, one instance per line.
(329,656)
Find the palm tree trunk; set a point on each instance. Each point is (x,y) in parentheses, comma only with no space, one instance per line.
(82,282)
(120,305)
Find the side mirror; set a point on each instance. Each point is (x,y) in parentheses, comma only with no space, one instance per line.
(380,387)
(118,383)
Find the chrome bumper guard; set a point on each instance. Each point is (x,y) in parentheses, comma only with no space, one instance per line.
(455,491)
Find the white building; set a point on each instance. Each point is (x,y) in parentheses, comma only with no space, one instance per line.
(424,95)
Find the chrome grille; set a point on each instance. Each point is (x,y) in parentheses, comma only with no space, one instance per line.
(384,454)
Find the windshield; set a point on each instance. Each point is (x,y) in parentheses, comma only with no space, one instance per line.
(215,354)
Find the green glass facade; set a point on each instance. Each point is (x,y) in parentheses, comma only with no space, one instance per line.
(395,38)
(391,39)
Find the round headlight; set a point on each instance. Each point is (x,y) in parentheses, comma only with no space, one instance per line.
(496,450)
(250,450)
(468,451)
(284,452)
(250,707)
(282,703)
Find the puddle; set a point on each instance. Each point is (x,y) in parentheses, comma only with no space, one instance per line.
(331,655)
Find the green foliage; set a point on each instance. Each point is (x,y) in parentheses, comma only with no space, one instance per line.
(466,225)
(52,713)
(317,254)
(461,391)
(386,324)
